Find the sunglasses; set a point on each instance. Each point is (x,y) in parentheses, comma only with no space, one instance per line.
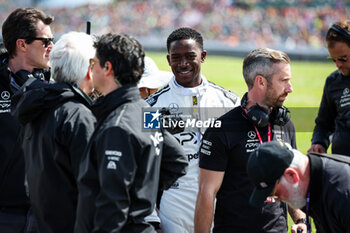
(342,59)
(91,63)
(46,41)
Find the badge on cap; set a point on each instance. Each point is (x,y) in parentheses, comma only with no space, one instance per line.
(263,185)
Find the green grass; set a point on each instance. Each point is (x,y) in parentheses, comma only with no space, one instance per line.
(308,79)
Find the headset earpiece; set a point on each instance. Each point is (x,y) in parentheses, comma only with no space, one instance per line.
(257,115)
(260,116)
(280,116)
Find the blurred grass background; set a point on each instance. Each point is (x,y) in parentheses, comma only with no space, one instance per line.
(308,79)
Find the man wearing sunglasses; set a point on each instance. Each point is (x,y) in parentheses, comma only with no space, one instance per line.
(334,113)
(23,32)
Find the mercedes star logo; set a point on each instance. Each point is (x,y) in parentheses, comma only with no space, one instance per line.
(173,107)
(5,95)
(251,134)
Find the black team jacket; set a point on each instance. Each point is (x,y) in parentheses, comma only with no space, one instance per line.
(57,124)
(119,180)
(12,189)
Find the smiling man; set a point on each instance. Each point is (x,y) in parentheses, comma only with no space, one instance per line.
(334,112)
(27,38)
(189,90)
(224,152)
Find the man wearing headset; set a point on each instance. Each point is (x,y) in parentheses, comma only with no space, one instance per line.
(28,39)
(334,112)
(224,152)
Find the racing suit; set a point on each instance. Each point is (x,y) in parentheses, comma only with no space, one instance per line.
(177,204)
(334,115)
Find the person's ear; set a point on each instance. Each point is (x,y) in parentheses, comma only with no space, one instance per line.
(108,67)
(260,81)
(21,44)
(89,74)
(203,55)
(168,58)
(291,175)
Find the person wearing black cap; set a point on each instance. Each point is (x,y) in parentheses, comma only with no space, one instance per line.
(318,182)
(224,151)
(334,113)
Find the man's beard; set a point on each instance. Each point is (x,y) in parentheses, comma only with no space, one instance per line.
(270,100)
(296,199)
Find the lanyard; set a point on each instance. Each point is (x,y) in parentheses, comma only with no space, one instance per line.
(307,211)
(257,131)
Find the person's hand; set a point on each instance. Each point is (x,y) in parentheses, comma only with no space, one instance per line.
(317,148)
(299,228)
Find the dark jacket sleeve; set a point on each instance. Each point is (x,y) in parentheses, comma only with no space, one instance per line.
(174,161)
(117,167)
(325,118)
(88,188)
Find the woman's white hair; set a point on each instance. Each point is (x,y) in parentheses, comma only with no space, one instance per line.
(70,56)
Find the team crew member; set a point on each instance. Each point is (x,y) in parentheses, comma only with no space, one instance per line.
(224,152)
(320,183)
(57,125)
(120,176)
(334,112)
(187,89)
(27,38)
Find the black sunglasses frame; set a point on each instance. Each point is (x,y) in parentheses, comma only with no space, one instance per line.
(46,41)
(341,59)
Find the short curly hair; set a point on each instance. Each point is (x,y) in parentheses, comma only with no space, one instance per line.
(185,33)
(126,55)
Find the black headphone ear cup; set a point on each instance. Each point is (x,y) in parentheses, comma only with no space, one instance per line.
(280,116)
(258,116)
(244,100)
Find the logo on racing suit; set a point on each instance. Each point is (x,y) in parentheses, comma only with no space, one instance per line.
(151,119)
(173,108)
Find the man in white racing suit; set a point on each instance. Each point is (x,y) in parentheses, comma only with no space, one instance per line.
(188,94)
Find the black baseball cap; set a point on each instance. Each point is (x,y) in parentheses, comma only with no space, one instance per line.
(265,166)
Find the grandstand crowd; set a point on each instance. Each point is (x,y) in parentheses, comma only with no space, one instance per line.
(293,24)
